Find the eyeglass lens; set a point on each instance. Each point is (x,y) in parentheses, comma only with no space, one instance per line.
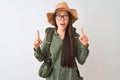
(59,17)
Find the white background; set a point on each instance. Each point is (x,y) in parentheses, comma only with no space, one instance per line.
(19,20)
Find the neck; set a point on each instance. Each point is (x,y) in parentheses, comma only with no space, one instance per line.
(61,33)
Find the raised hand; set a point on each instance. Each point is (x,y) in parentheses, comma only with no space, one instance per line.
(37,41)
(83,38)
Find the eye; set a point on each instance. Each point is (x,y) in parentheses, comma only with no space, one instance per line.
(66,15)
(59,15)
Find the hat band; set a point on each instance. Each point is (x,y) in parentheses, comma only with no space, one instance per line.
(61,9)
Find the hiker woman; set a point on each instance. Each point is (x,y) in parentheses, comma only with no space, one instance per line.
(66,44)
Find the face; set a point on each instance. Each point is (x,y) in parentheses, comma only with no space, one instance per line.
(62,19)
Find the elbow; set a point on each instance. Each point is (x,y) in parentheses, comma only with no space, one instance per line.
(38,57)
(81,62)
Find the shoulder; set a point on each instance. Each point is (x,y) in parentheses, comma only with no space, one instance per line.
(49,33)
(49,29)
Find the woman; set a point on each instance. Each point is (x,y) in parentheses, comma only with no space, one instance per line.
(65,45)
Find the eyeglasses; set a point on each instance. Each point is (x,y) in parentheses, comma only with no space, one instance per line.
(59,17)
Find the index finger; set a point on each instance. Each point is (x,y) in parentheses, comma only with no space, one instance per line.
(38,34)
(82,32)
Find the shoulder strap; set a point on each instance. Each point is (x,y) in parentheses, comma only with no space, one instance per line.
(49,33)
(78,72)
(79,76)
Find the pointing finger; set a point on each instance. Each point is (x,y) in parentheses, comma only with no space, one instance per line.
(82,32)
(38,34)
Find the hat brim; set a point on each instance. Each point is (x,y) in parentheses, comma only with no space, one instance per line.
(73,12)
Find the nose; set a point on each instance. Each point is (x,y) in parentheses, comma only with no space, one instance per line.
(62,18)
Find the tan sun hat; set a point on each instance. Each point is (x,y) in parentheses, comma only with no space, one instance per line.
(62,6)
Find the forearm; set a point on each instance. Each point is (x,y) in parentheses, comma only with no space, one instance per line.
(82,53)
(39,55)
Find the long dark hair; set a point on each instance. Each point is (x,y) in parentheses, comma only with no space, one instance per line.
(68,47)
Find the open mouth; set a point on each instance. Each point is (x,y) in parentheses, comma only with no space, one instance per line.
(62,24)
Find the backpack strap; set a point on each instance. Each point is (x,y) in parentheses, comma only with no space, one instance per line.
(49,33)
(77,70)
